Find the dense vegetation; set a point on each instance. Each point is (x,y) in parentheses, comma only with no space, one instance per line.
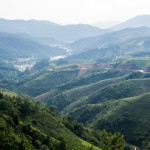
(7,71)
(105,84)
(28,125)
(37,83)
(40,65)
(130,116)
(89,102)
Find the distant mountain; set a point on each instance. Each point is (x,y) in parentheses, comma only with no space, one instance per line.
(47,40)
(43,28)
(109,38)
(106,24)
(98,53)
(135,45)
(15,46)
(138,21)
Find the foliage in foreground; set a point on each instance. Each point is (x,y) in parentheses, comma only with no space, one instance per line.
(28,125)
(112,142)
(19,129)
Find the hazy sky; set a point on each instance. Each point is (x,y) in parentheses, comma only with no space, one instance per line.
(73,11)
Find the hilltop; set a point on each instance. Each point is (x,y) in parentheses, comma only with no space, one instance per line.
(137,21)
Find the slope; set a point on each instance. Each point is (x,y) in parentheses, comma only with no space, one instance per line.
(72,90)
(123,89)
(14,46)
(130,116)
(138,21)
(7,71)
(43,81)
(109,38)
(28,125)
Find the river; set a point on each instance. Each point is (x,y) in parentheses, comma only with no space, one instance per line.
(69,52)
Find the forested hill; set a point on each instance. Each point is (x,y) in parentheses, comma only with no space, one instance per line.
(130,116)
(101,93)
(65,95)
(28,125)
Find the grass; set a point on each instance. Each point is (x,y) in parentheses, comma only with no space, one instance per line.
(8,93)
(86,144)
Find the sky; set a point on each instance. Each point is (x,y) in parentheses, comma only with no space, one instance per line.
(74,11)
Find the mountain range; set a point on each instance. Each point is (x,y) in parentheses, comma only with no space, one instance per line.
(108,39)
(138,21)
(37,28)
(101,81)
(14,46)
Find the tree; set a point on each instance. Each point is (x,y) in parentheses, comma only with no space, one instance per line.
(1,95)
(112,141)
(62,144)
(52,108)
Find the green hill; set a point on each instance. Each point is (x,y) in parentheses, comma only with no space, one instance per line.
(44,81)
(91,77)
(35,84)
(123,89)
(28,125)
(130,116)
(104,87)
(80,91)
(71,91)
(7,71)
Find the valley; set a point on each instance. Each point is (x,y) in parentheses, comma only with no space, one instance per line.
(74,87)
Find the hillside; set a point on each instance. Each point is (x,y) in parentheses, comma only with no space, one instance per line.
(94,79)
(109,38)
(28,125)
(67,95)
(73,90)
(130,116)
(13,46)
(7,71)
(137,47)
(92,101)
(35,84)
(124,89)
(99,75)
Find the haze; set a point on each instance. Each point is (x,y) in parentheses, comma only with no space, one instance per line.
(73,11)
